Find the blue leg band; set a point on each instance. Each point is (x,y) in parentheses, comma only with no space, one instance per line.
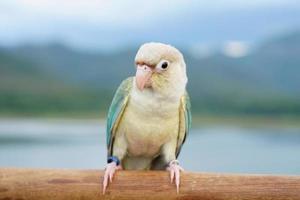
(113,159)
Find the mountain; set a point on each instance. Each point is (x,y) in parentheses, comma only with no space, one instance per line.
(265,81)
(93,70)
(277,61)
(26,87)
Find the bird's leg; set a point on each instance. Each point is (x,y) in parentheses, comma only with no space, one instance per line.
(111,167)
(174,168)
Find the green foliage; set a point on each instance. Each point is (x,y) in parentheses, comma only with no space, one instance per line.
(54,102)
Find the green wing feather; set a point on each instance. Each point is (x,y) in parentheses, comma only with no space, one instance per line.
(185,121)
(116,110)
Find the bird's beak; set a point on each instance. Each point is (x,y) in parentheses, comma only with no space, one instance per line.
(142,76)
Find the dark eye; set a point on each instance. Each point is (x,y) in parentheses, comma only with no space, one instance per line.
(164,65)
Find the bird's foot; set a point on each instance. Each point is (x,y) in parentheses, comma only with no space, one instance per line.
(174,168)
(109,173)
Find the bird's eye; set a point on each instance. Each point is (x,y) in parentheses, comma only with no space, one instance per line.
(164,65)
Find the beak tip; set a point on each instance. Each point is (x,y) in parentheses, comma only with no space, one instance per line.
(143,74)
(140,88)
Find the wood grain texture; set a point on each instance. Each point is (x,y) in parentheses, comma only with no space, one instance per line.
(22,184)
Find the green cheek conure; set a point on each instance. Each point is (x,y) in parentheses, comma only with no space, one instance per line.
(149,117)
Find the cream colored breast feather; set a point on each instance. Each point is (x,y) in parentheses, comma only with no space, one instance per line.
(151,103)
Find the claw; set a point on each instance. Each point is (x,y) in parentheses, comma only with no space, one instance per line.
(175,169)
(109,173)
(172,173)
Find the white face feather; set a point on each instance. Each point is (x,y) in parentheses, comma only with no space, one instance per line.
(170,81)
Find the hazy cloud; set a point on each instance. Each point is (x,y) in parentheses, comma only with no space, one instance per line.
(103,23)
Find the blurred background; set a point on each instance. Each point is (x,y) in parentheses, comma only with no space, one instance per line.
(62,60)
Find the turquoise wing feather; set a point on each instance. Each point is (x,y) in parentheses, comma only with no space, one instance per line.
(185,121)
(116,110)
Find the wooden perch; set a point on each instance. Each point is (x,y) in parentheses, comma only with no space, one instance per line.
(40,184)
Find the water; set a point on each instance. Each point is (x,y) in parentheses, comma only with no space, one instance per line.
(81,144)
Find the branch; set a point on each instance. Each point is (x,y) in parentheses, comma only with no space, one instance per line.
(43,184)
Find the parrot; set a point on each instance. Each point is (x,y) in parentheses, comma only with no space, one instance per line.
(150,115)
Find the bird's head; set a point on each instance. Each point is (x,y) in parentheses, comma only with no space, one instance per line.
(160,67)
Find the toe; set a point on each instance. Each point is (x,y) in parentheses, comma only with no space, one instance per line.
(172,173)
(177,179)
(175,170)
(105,182)
(108,175)
(111,174)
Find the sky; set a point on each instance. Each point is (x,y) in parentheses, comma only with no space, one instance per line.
(110,24)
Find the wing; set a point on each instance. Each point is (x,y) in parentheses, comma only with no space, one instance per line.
(185,121)
(116,110)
